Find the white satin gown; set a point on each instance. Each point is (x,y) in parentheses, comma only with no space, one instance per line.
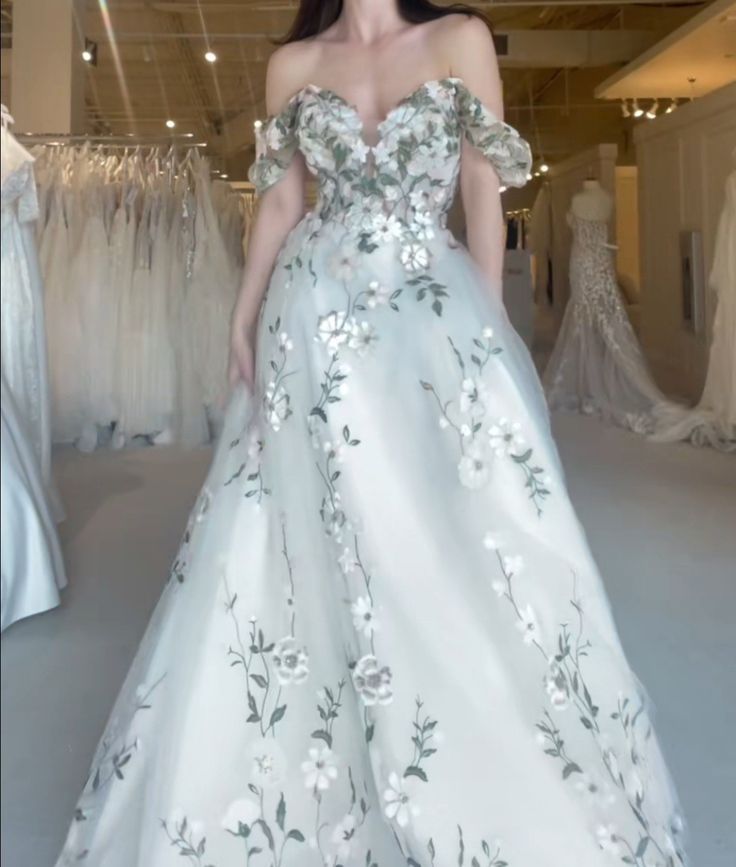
(384,640)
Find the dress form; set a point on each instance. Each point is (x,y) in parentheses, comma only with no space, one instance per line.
(592,202)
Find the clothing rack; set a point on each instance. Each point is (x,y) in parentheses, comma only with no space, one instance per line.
(112,141)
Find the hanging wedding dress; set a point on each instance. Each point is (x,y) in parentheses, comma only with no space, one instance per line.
(597,366)
(32,570)
(23,328)
(713,421)
(142,271)
(384,640)
(32,567)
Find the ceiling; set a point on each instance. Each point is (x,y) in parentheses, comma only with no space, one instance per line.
(556,56)
(697,58)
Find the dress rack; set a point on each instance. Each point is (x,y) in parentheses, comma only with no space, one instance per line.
(111,141)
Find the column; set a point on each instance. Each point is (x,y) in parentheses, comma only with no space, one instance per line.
(48,73)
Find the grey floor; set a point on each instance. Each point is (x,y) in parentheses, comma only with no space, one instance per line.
(661,520)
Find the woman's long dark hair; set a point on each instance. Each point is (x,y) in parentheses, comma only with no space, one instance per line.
(315,16)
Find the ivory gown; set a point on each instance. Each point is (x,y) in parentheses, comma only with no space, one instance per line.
(384,640)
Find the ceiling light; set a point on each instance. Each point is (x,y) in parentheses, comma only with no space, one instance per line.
(529,176)
(224,176)
(652,113)
(536,174)
(625,108)
(170,124)
(257,124)
(210,56)
(638,110)
(89,52)
(671,107)
(544,168)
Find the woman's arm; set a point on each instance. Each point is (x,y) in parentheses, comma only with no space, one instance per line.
(473,58)
(279,209)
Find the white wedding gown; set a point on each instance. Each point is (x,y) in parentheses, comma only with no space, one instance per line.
(597,366)
(23,328)
(713,421)
(384,640)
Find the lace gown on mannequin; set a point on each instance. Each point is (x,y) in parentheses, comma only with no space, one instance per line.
(597,366)
(384,640)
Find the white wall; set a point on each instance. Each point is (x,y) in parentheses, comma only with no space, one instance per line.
(627,231)
(683,159)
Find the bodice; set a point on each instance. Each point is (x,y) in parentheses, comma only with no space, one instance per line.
(589,234)
(406,181)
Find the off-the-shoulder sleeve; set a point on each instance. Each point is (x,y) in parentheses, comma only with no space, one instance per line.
(276,144)
(500,143)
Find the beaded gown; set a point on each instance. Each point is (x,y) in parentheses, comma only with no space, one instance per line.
(597,366)
(383,641)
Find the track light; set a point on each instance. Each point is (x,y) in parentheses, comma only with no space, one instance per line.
(224,176)
(544,168)
(652,113)
(210,56)
(89,52)
(171,124)
(529,176)
(671,107)
(638,110)
(625,112)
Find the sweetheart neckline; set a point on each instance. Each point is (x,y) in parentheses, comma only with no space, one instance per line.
(356,112)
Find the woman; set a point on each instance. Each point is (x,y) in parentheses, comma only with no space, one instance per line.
(384,640)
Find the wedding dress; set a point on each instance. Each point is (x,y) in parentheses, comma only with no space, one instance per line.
(713,421)
(384,640)
(32,570)
(23,327)
(141,272)
(597,366)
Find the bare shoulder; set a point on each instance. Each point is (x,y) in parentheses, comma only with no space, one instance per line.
(289,70)
(464,40)
(469,53)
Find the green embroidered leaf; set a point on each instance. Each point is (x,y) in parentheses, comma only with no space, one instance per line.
(522,458)
(277,715)
(260,680)
(323,735)
(571,768)
(295,834)
(415,771)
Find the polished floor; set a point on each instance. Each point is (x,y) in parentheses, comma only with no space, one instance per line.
(662,523)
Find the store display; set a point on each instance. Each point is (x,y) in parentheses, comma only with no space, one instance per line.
(142,261)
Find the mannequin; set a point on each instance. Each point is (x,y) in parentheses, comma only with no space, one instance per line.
(592,202)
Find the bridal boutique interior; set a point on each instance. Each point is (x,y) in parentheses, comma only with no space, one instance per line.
(128,129)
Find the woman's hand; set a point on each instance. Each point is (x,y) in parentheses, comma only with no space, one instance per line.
(242,365)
